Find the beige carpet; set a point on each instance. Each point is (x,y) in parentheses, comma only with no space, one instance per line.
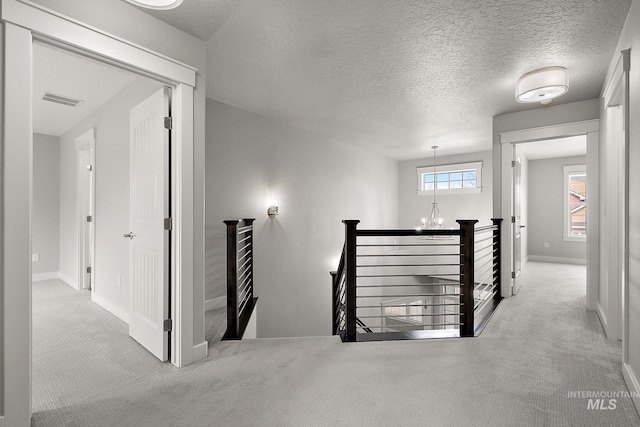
(539,346)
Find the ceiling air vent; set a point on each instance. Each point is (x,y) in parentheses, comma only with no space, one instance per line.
(59,99)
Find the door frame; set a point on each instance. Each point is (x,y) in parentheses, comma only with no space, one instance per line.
(616,94)
(85,143)
(23,21)
(590,128)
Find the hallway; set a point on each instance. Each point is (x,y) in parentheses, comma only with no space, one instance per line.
(539,347)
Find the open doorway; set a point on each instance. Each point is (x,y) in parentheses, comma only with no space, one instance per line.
(101,161)
(549,203)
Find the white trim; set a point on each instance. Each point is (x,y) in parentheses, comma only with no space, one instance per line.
(215,303)
(1,421)
(602,316)
(17,208)
(41,277)
(85,150)
(566,223)
(549,132)
(631,380)
(70,31)
(68,280)
(110,307)
(201,351)
(557,260)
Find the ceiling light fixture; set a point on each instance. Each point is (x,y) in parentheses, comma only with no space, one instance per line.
(156,4)
(542,85)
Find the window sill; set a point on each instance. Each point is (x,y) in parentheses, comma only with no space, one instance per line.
(575,239)
(450,191)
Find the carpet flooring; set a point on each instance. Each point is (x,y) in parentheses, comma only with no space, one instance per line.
(539,347)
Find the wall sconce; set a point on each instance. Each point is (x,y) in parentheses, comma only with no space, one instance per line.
(273,209)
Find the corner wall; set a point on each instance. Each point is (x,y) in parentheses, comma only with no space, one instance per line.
(318,182)
(45,220)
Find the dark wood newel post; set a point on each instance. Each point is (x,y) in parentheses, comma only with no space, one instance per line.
(497,272)
(233,325)
(350,275)
(467,279)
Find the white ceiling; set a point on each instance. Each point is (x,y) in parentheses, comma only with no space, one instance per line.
(553,148)
(397,76)
(64,73)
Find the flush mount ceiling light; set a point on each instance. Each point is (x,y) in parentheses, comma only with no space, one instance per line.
(156,4)
(542,85)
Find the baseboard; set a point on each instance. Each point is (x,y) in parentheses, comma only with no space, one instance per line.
(68,280)
(200,351)
(602,317)
(110,307)
(557,260)
(1,421)
(632,384)
(213,303)
(41,277)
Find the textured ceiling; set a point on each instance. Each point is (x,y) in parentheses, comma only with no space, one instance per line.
(397,76)
(64,73)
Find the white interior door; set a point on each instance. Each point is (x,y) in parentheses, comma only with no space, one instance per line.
(517,219)
(149,206)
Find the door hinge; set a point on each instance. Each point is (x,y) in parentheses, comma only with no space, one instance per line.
(513,220)
(513,163)
(168,325)
(90,168)
(89,218)
(168,123)
(168,224)
(89,270)
(513,274)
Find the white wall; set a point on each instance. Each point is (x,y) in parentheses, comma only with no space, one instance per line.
(546,212)
(45,219)
(319,183)
(413,207)
(111,123)
(630,38)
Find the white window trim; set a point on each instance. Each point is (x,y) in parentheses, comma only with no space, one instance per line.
(565,201)
(451,168)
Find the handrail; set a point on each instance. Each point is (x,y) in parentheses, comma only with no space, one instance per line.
(406,290)
(240,299)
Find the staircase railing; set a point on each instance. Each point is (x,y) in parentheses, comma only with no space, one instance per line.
(240,299)
(414,284)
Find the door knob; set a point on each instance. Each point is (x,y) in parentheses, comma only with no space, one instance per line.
(522,226)
(129,235)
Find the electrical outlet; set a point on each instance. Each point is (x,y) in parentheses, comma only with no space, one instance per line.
(35,257)
(118,280)
(546,244)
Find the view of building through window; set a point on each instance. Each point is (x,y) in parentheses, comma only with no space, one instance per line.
(450,180)
(577,204)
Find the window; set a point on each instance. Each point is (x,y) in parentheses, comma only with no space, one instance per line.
(459,178)
(575,203)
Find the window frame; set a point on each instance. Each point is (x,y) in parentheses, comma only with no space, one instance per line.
(455,167)
(568,171)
